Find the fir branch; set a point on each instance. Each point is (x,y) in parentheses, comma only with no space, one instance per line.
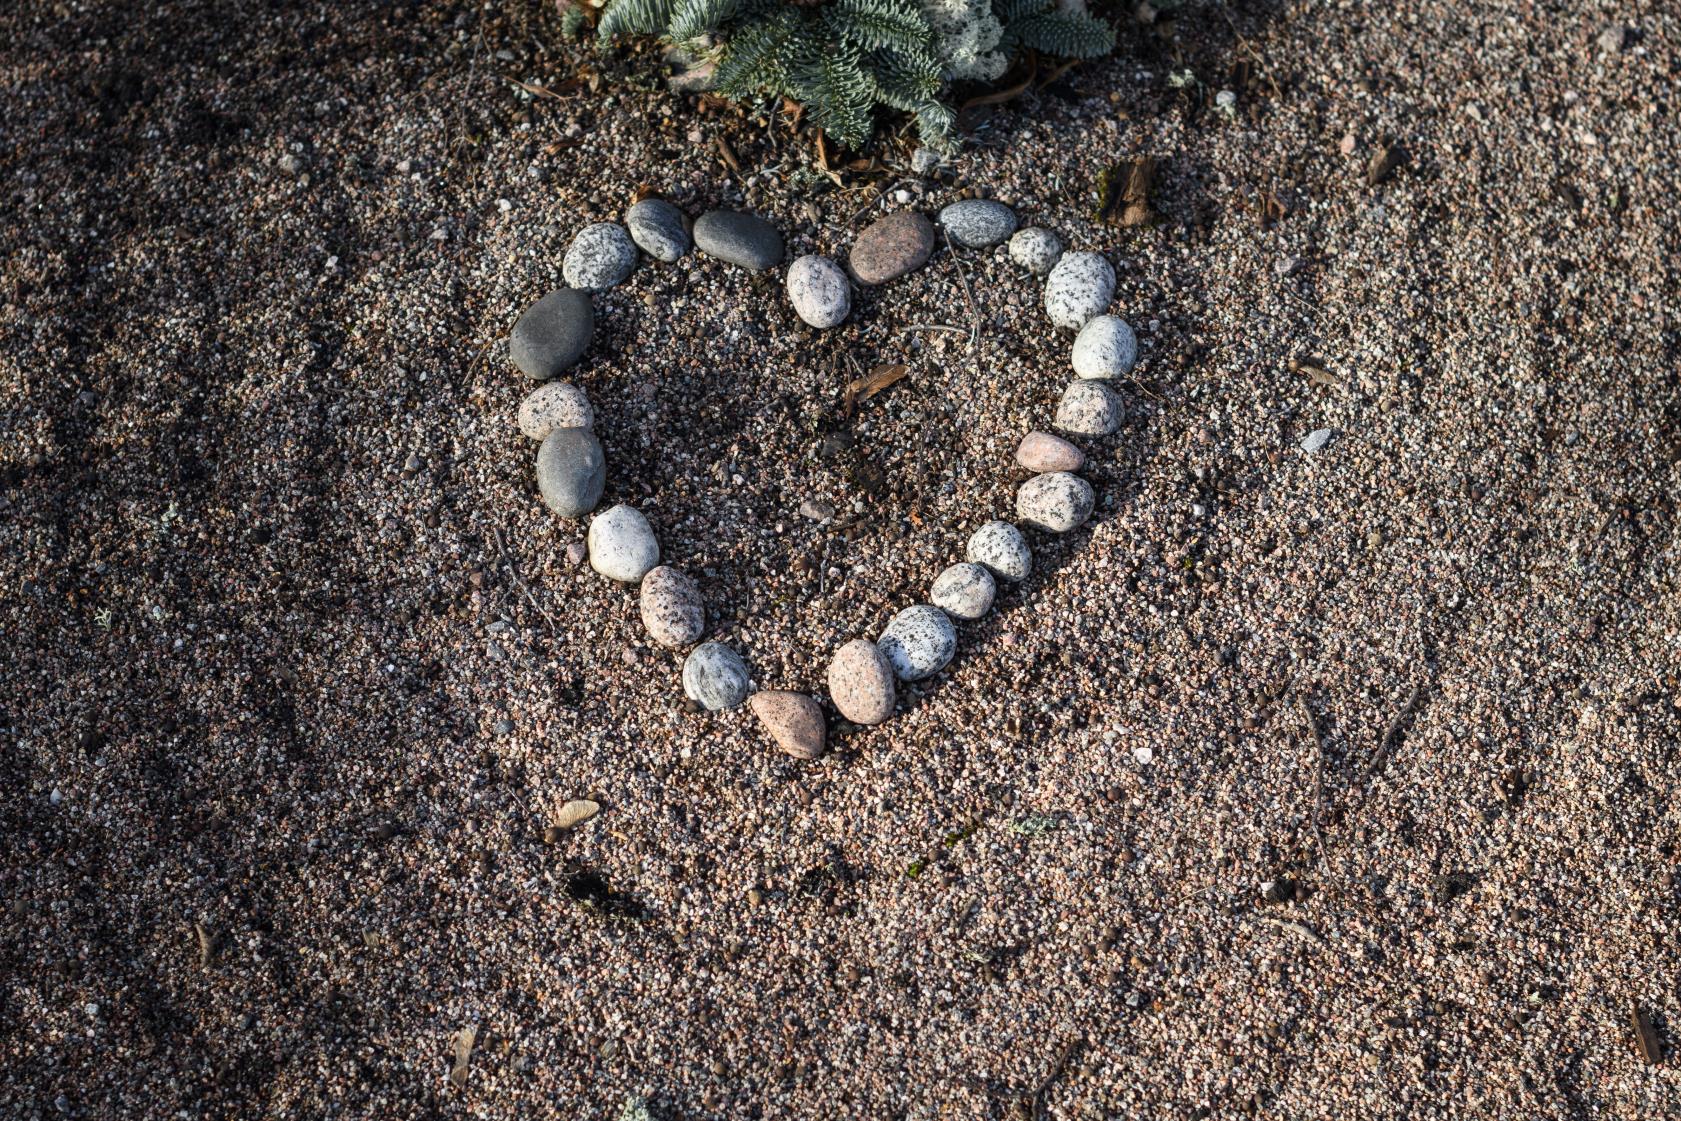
(877,23)
(1066,34)
(634,17)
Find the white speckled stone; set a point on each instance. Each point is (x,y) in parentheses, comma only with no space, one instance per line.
(622,544)
(1105,348)
(1089,408)
(601,256)
(978,223)
(1057,502)
(964,591)
(555,404)
(1036,249)
(919,642)
(1002,550)
(715,677)
(1079,287)
(818,290)
(672,609)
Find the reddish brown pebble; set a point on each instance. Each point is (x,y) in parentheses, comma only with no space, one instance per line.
(861,683)
(891,247)
(793,720)
(1043,452)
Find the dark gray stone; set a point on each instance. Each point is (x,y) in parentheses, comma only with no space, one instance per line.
(553,334)
(739,238)
(571,471)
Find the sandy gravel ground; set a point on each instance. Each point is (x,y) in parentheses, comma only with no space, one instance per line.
(296,672)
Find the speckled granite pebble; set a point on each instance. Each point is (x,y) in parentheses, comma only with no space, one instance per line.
(715,677)
(1001,549)
(622,544)
(1057,502)
(861,683)
(890,247)
(1088,408)
(793,720)
(1036,249)
(919,642)
(557,404)
(978,223)
(1105,348)
(963,591)
(819,291)
(600,257)
(1079,287)
(673,612)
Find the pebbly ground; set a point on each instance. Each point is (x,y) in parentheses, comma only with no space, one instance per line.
(297,672)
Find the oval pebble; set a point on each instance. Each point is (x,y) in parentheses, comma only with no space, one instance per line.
(622,544)
(1105,348)
(1036,249)
(919,642)
(601,256)
(571,471)
(818,290)
(1088,408)
(659,228)
(739,238)
(978,223)
(892,246)
(1001,549)
(1041,452)
(552,334)
(1079,287)
(793,720)
(672,609)
(1057,502)
(861,683)
(558,404)
(963,591)
(715,677)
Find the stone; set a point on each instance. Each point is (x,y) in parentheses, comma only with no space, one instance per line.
(576,812)
(571,471)
(552,334)
(600,257)
(890,247)
(1613,38)
(1088,408)
(739,238)
(1316,440)
(715,677)
(861,683)
(963,591)
(1057,502)
(1105,348)
(1036,249)
(1001,549)
(925,162)
(1079,287)
(793,720)
(1041,452)
(978,223)
(659,229)
(817,509)
(673,611)
(919,642)
(556,404)
(622,544)
(819,291)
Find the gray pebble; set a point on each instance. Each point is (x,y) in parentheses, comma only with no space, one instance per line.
(715,677)
(919,642)
(672,608)
(963,591)
(818,289)
(622,545)
(1057,502)
(1105,348)
(739,238)
(1079,287)
(601,256)
(978,223)
(1088,408)
(1036,249)
(1001,549)
(925,162)
(552,334)
(571,471)
(659,228)
(1316,440)
(558,404)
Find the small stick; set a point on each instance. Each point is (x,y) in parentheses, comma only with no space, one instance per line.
(914,327)
(1392,731)
(1296,928)
(513,570)
(968,294)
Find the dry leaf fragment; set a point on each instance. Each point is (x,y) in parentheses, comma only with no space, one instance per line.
(862,389)
(206,945)
(576,812)
(463,1051)
(1645,1035)
(728,154)
(1123,193)
(1316,373)
(643,192)
(1385,160)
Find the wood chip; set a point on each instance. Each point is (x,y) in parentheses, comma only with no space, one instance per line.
(206,945)
(576,812)
(1645,1035)
(727,154)
(862,389)
(1385,160)
(463,1052)
(1124,193)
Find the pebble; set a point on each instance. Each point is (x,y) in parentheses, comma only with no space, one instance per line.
(552,334)
(576,812)
(1316,440)
(1088,408)
(672,609)
(1002,550)
(963,591)
(817,509)
(1036,249)
(819,291)
(739,238)
(1041,452)
(601,256)
(556,404)
(1057,502)
(978,223)
(576,553)
(793,720)
(659,228)
(715,677)
(622,545)
(1105,348)
(892,246)
(571,471)
(1079,287)
(861,683)
(925,162)
(919,642)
